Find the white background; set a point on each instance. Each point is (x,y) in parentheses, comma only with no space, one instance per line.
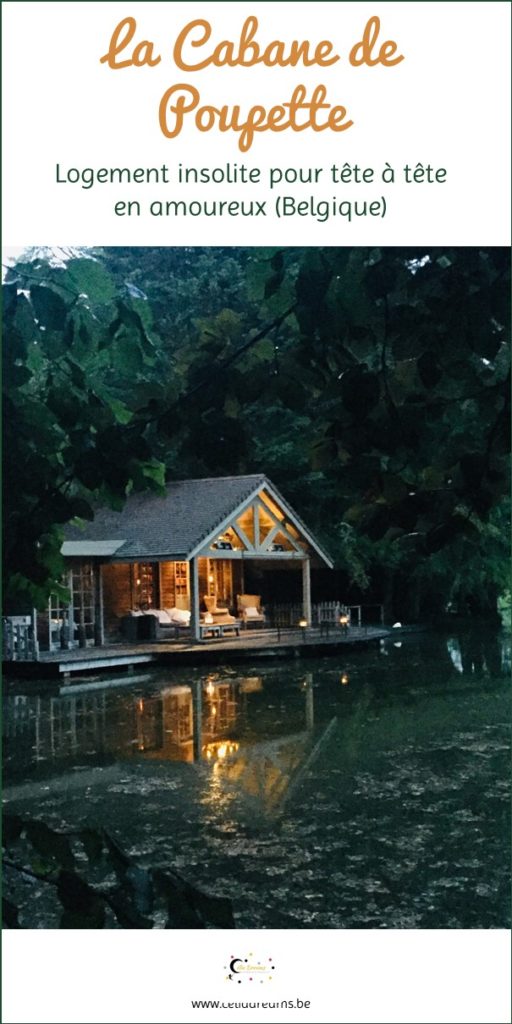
(362,977)
(445,104)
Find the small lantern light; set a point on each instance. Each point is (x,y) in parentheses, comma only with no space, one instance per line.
(344,620)
(344,679)
(303,625)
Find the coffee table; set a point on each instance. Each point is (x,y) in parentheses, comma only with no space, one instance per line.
(209,629)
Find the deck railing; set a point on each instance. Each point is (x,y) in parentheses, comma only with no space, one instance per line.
(18,640)
(288,616)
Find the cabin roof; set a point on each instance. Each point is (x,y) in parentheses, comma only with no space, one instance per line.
(174,525)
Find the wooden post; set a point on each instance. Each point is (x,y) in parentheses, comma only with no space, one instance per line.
(68,622)
(242,577)
(306,590)
(99,620)
(256,522)
(35,641)
(194,599)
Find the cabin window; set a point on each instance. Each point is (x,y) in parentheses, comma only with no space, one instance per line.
(222,581)
(146,584)
(83,597)
(180,579)
(79,613)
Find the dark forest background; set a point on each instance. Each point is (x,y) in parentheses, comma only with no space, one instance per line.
(371,385)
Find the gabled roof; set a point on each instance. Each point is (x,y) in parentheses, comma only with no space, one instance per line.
(175,525)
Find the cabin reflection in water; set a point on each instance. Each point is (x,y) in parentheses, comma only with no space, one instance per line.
(207,720)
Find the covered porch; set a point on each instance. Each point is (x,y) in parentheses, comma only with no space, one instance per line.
(127,583)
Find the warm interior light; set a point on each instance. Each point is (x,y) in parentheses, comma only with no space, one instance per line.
(220,749)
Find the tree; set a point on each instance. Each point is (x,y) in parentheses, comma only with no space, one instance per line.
(80,375)
(371,385)
(401,364)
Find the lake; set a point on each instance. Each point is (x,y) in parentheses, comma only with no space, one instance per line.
(370,789)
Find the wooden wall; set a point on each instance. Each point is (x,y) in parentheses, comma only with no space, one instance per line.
(167,589)
(117,594)
(202,572)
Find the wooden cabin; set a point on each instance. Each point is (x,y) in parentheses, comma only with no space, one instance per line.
(187,549)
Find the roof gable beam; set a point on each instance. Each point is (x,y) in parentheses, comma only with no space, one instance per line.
(242,536)
(265,504)
(279,528)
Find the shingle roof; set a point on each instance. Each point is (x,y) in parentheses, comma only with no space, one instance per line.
(174,524)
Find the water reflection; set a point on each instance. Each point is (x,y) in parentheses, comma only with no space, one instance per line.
(207,720)
(371,791)
(478,652)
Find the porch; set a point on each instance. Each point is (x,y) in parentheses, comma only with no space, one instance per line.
(197,560)
(124,659)
(198,565)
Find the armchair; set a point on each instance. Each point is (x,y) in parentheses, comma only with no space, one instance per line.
(250,610)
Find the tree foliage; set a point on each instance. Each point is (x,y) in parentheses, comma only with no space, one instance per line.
(371,385)
(81,372)
(95,884)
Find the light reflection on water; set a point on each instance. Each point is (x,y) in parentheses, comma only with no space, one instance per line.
(365,792)
(214,718)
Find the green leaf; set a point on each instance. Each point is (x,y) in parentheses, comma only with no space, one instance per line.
(9,914)
(121,412)
(155,471)
(93,843)
(49,844)
(232,408)
(360,390)
(49,307)
(12,828)
(188,907)
(91,277)
(117,857)
(126,914)
(83,907)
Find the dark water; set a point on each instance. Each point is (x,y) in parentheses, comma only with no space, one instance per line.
(360,791)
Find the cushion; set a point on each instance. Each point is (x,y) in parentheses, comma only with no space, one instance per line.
(251,613)
(163,616)
(208,618)
(135,614)
(178,615)
(160,614)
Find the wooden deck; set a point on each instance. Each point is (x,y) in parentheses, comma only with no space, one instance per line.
(268,643)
